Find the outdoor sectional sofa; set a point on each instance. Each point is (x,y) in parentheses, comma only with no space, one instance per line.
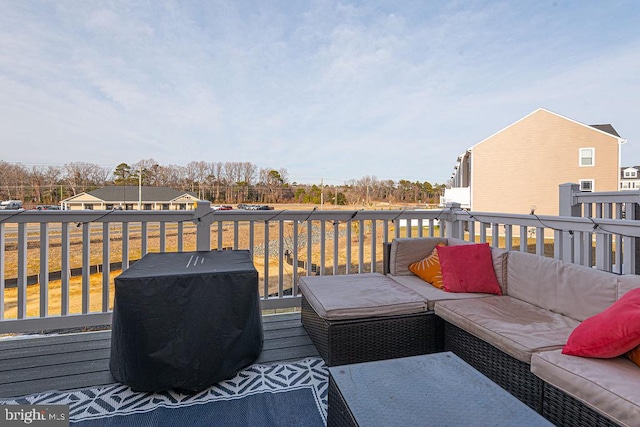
(515,338)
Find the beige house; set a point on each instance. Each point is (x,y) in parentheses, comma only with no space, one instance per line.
(520,167)
(630,178)
(131,197)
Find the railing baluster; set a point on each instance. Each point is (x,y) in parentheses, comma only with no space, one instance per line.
(180,236)
(44,269)
(2,276)
(22,270)
(86,267)
(540,241)
(495,235)
(280,258)
(236,232)
(65,269)
(588,237)
(323,249)
(508,237)
(558,244)
(266,260)
(294,285)
(125,245)
(336,246)
(220,235)
(577,240)
(385,231)
(309,245)
(374,245)
(348,254)
(106,265)
(163,236)
(360,246)
(144,238)
(524,239)
(251,236)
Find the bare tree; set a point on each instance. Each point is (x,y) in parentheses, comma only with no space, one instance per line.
(52,176)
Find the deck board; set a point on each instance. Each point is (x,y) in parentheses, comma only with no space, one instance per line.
(80,360)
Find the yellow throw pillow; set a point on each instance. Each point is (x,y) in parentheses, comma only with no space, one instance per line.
(428,269)
(634,355)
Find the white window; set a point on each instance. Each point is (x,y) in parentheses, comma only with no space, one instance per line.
(630,173)
(587,156)
(587,185)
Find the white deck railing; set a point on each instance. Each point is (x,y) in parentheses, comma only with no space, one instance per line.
(42,243)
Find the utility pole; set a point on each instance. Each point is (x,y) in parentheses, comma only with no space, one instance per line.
(321,193)
(140,188)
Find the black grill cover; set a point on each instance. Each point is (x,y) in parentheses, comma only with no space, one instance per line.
(185,320)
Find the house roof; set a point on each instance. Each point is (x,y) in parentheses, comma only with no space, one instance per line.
(606,128)
(129,193)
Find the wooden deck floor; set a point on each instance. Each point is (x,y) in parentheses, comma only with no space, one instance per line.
(79,360)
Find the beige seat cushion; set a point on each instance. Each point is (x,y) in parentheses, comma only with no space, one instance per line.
(609,386)
(430,293)
(513,326)
(356,296)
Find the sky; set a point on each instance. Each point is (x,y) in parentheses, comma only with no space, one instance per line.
(328,90)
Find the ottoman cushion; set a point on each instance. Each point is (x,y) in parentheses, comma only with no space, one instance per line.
(355,296)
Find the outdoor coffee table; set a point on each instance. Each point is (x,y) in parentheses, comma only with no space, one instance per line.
(435,389)
(185,320)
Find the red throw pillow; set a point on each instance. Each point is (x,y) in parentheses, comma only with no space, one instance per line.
(610,333)
(468,268)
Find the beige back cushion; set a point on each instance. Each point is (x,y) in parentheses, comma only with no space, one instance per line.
(569,289)
(407,250)
(627,282)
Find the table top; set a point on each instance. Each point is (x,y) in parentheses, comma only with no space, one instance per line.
(189,263)
(436,389)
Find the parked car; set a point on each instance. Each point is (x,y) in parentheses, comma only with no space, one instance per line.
(47,208)
(221,207)
(11,205)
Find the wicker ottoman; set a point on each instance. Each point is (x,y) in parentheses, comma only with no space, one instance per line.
(364,317)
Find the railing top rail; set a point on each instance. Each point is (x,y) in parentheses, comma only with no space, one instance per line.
(562,223)
(32,216)
(630,196)
(339,215)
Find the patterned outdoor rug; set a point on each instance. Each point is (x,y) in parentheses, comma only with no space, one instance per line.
(291,394)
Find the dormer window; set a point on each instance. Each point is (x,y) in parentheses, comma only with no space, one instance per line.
(630,173)
(587,156)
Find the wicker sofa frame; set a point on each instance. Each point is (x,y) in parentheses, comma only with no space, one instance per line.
(508,372)
(341,342)
(564,410)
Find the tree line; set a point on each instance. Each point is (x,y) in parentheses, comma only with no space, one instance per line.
(219,182)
